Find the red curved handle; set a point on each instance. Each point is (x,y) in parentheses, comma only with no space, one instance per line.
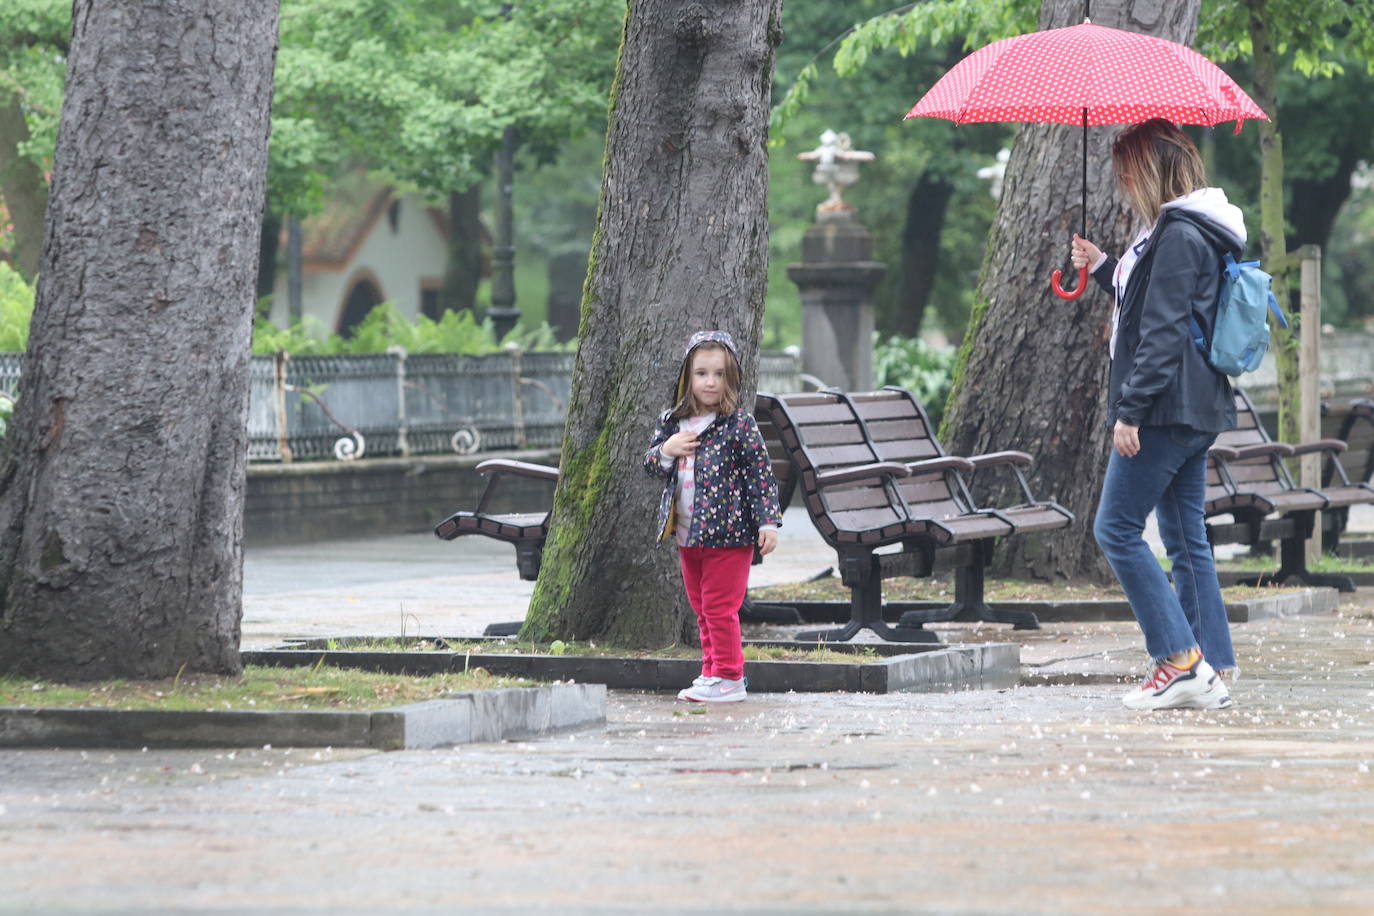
(1063,293)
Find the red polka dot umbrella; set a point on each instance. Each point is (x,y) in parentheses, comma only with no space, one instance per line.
(1086,74)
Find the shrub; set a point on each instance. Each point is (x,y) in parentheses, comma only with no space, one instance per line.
(16,310)
(6,411)
(925,370)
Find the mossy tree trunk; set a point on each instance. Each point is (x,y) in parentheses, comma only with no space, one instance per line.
(681,244)
(122,479)
(1273,236)
(1033,367)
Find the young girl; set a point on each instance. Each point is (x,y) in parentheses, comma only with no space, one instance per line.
(1165,405)
(719,499)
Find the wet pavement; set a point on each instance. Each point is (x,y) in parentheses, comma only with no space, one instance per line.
(1036,799)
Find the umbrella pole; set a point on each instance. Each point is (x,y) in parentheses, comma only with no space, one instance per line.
(1083,214)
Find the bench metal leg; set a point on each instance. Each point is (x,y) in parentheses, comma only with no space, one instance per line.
(860,573)
(969,604)
(529,556)
(1293,563)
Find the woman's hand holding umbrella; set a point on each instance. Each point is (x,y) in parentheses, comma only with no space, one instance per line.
(1086,74)
(1084,254)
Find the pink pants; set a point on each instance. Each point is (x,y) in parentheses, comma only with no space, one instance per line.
(716,580)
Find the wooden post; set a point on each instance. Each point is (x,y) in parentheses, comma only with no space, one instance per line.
(1309,379)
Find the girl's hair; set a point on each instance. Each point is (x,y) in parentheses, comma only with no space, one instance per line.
(1155,163)
(687,405)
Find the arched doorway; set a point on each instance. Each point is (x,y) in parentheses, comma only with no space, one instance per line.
(363,296)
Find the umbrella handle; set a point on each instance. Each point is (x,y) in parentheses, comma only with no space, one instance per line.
(1069,293)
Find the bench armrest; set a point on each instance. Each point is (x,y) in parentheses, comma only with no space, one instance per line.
(944,463)
(520,468)
(994,459)
(1223,453)
(1262,449)
(861,472)
(1335,446)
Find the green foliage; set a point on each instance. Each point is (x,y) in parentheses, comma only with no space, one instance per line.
(385,326)
(888,84)
(1317,37)
(424,91)
(33,65)
(927,371)
(16,310)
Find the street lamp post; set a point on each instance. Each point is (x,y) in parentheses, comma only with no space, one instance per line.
(503,312)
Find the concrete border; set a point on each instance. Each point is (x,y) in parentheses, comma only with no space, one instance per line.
(1288,604)
(938,668)
(457,718)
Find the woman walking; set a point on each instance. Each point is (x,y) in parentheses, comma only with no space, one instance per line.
(1165,406)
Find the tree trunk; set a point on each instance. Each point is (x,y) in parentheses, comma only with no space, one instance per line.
(681,244)
(269,243)
(1273,242)
(121,487)
(925,220)
(1033,367)
(22,187)
(463,271)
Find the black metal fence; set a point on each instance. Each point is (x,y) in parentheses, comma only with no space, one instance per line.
(305,408)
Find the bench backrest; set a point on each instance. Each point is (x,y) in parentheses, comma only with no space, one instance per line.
(1353,423)
(782,465)
(820,432)
(899,430)
(1264,474)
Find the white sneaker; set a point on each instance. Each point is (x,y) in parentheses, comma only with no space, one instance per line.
(701,680)
(719,690)
(1168,687)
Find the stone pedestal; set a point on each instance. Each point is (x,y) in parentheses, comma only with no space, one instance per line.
(836,277)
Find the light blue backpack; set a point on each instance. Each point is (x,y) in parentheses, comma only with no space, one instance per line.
(1241,335)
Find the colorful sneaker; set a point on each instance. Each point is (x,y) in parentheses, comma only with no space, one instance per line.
(719,690)
(1168,687)
(701,680)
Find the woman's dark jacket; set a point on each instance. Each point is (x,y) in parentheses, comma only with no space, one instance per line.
(1159,377)
(735,490)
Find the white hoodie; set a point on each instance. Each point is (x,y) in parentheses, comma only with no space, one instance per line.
(1209,203)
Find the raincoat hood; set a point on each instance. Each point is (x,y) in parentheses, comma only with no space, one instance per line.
(684,374)
(1210,211)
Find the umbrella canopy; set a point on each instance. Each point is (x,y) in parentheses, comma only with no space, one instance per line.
(1086,74)
(1114,76)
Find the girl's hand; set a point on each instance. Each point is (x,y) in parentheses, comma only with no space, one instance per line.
(680,444)
(1084,253)
(768,540)
(1126,440)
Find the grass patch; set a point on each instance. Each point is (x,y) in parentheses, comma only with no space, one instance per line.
(754,653)
(997,590)
(260,688)
(1325,563)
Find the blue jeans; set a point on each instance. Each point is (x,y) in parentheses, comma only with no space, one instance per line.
(1168,475)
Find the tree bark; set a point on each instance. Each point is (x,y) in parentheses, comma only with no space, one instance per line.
(121,486)
(22,186)
(1033,367)
(681,244)
(269,243)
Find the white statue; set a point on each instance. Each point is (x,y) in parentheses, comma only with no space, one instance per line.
(837,167)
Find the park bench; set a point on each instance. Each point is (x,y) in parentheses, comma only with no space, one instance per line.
(527,531)
(1352,422)
(881,491)
(1247,480)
